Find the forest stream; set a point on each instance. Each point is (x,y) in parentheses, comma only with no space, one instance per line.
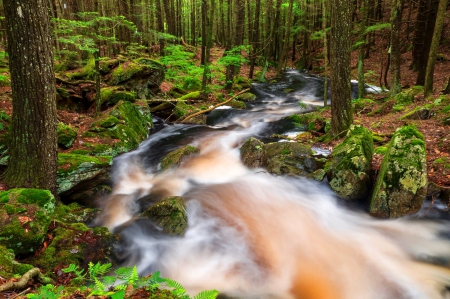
(255,235)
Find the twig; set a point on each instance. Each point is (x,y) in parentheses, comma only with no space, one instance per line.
(212,108)
(21,293)
(22,283)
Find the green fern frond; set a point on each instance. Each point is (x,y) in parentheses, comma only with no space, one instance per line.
(98,269)
(120,287)
(210,294)
(99,285)
(109,280)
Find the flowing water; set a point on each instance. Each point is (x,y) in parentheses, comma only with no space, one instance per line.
(254,235)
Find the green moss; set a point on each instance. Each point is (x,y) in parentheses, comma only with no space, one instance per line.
(381,150)
(349,172)
(112,95)
(24,218)
(66,135)
(170,215)
(191,95)
(177,156)
(444,161)
(403,176)
(247,97)
(62,92)
(103,123)
(87,72)
(6,263)
(70,162)
(237,104)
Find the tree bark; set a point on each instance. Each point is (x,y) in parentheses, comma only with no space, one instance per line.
(428,87)
(396,19)
(33,148)
(341,107)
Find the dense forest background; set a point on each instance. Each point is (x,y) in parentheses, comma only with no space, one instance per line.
(268,32)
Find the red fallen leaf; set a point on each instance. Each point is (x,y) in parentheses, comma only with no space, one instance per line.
(437,151)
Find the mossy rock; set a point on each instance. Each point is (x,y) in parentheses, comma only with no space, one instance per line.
(288,158)
(127,122)
(247,97)
(169,214)
(402,181)
(174,159)
(252,153)
(7,262)
(75,243)
(87,72)
(421,112)
(406,97)
(349,174)
(111,95)
(143,76)
(66,135)
(80,171)
(106,65)
(237,104)
(25,215)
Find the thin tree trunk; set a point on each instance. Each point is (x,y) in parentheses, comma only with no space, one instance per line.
(428,88)
(396,19)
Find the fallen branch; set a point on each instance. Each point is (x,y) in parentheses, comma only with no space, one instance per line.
(182,120)
(22,283)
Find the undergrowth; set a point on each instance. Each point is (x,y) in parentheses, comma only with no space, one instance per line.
(96,282)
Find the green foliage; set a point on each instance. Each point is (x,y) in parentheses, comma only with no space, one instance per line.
(3,118)
(48,291)
(180,68)
(126,276)
(89,29)
(234,56)
(376,27)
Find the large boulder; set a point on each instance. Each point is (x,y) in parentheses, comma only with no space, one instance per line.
(169,214)
(143,76)
(70,241)
(402,181)
(25,215)
(288,158)
(252,153)
(174,158)
(81,173)
(349,173)
(127,122)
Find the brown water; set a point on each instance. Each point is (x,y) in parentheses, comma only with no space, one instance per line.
(254,235)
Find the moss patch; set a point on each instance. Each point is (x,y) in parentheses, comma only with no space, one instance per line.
(349,172)
(170,215)
(66,135)
(401,183)
(25,215)
(175,158)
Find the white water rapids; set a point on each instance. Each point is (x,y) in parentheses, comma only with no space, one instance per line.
(254,235)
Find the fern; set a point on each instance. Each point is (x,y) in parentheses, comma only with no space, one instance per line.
(48,291)
(98,269)
(211,294)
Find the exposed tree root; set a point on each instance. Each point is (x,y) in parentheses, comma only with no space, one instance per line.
(22,283)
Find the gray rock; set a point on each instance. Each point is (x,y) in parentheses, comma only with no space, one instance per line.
(349,173)
(402,182)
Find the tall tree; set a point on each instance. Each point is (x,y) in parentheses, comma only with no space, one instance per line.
(396,19)
(428,87)
(33,148)
(341,107)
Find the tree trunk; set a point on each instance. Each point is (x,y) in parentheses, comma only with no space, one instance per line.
(396,19)
(428,87)
(341,107)
(160,22)
(362,40)
(33,147)
(206,70)
(325,53)
(285,43)
(422,39)
(255,38)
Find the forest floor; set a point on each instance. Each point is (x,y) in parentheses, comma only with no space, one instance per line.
(437,135)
